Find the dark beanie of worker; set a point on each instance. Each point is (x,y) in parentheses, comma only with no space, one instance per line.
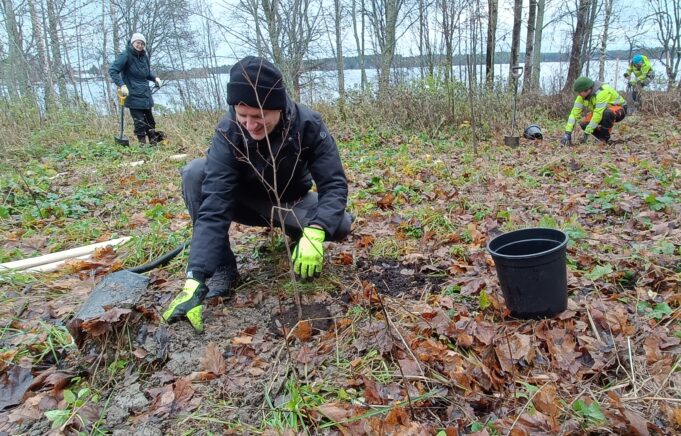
(257,83)
(582,84)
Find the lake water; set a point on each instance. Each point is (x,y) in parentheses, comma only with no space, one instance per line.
(322,85)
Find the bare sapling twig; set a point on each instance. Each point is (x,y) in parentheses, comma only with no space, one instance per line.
(278,207)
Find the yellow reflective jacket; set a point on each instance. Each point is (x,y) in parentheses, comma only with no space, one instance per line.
(602,97)
(641,71)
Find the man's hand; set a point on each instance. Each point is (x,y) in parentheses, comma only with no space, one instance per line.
(124,90)
(308,256)
(159,82)
(188,303)
(567,138)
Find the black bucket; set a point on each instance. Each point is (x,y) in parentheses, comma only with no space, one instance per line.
(532,271)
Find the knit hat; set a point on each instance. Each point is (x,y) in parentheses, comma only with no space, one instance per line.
(582,84)
(257,83)
(138,37)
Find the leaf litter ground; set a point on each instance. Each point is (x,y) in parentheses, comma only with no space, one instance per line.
(406,332)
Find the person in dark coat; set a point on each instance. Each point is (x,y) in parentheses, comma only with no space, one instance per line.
(131,72)
(266,153)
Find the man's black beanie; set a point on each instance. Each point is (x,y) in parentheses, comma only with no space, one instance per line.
(257,83)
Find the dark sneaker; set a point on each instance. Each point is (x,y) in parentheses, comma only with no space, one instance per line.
(222,283)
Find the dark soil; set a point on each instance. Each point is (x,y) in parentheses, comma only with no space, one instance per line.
(399,280)
(317,313)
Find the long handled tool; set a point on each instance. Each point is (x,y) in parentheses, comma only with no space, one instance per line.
(513,140)
(121,138)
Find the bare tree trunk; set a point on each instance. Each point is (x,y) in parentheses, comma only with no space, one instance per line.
(340,64)
(425,49)
(515,38)
(448,39)
(57,65)
(114,29)
(43,63)
(384,17)
(110,105)
(359,42)
(604,39)
(575,66)
(586,50)
(536,53)
(461,76)
(17,71)
(493,6)
(68,72)
(529,46)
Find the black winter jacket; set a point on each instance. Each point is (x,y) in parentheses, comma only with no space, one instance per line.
(304,151)
(132,68)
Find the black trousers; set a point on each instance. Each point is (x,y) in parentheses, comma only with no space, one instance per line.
(611,115)
(144,121)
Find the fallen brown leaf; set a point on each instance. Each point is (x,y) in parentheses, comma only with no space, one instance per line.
(303,331)
(213,361)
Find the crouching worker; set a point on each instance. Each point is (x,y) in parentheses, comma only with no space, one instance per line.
(267,148)
(605,107)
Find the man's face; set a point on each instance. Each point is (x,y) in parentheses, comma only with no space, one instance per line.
(259,123)
(585,94)
(138,45)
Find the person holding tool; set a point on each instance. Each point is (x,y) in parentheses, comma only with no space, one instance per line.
(266,153)
(640,73)
(604,105)
(131,72)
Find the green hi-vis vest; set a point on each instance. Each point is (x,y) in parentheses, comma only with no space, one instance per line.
(600,99)
(641,71)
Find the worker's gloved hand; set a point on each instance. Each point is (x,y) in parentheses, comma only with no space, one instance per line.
(588,130)
(567,138)
(188,303)
(159,82)
(124,90)
(626,75)
(308,256)
(585,138)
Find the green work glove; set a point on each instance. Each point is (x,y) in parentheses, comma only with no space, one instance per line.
(308,256)
(189,304)
(588,130)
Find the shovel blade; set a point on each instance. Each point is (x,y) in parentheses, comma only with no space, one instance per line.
(122,140)
(512,141)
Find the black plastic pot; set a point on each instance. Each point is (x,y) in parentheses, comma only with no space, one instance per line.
(532,271)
